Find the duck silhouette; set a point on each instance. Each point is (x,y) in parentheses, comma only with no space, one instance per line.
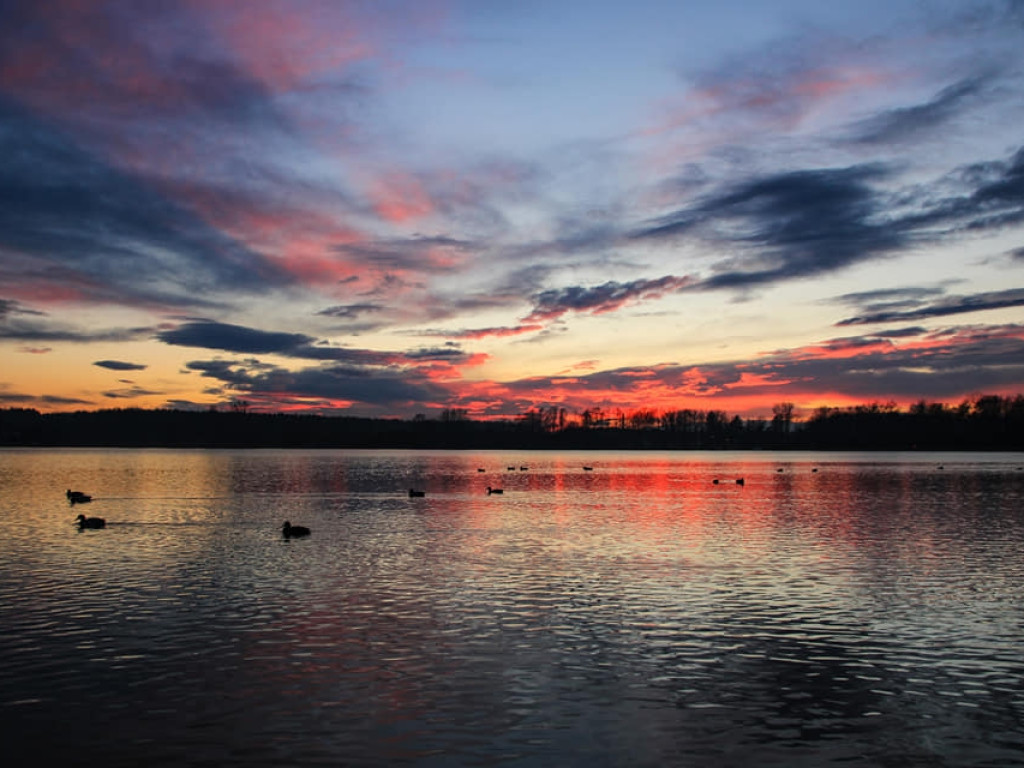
(90,522)
(494,490)
(288,530)
(414,494)
(77,497)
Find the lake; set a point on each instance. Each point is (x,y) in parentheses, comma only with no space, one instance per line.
(834,609)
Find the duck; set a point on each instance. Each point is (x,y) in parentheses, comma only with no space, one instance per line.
(588,469)
(494,490)
(715,481)
(740,481)
(288,530)
(414,494)
(77,497)
(90,522)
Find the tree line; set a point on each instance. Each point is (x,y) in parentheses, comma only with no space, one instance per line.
(988,422)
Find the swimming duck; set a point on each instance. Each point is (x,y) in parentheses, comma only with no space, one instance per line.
(416,494)
(77,497)
(90,522)
(494,490)
(288,530)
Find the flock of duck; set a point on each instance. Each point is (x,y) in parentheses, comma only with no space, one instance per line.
(295,531)
(288,530)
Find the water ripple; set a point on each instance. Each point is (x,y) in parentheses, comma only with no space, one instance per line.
(870,613)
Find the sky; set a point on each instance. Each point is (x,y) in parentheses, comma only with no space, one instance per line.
(387,208)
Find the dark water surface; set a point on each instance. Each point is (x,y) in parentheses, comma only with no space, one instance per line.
(851,609)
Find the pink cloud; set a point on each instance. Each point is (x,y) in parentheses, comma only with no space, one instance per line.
(399,197)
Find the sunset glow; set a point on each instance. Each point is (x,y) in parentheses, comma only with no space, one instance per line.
(395,208)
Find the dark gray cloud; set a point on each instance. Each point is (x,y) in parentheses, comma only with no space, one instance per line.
(552,304)
(949,305)
(118,365)
(71,221)
(805,223)
(350,311)
(11,307)
(888,298)
(901,333)
(908,123)
(788,225)
(232,338)
(129,393)
(375,388)
(980,197)
(883,300)
(18,329)
(236,338)
(23,399)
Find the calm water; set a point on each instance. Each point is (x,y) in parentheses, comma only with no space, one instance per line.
(851,609)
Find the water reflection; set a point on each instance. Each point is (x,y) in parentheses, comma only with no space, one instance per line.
(635,614)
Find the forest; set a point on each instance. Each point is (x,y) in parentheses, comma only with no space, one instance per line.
(986,422)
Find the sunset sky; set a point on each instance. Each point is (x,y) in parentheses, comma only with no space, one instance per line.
(387,208)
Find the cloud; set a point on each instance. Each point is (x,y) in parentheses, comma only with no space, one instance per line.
(54,400)
(483,333)
(417,254)
(129,393)
(607,297)
(232,338)
(337,384)
(10,307)
(117,365)
(891,298)
(950,363)
(901,333)
(908,123)
(788,225)
(350,311)
(19,329)
(76,228)
(950,305)
(240,339)
(799,224)
(981,197)
(773,88)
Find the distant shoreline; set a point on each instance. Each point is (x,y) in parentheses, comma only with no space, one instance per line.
(991,424)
